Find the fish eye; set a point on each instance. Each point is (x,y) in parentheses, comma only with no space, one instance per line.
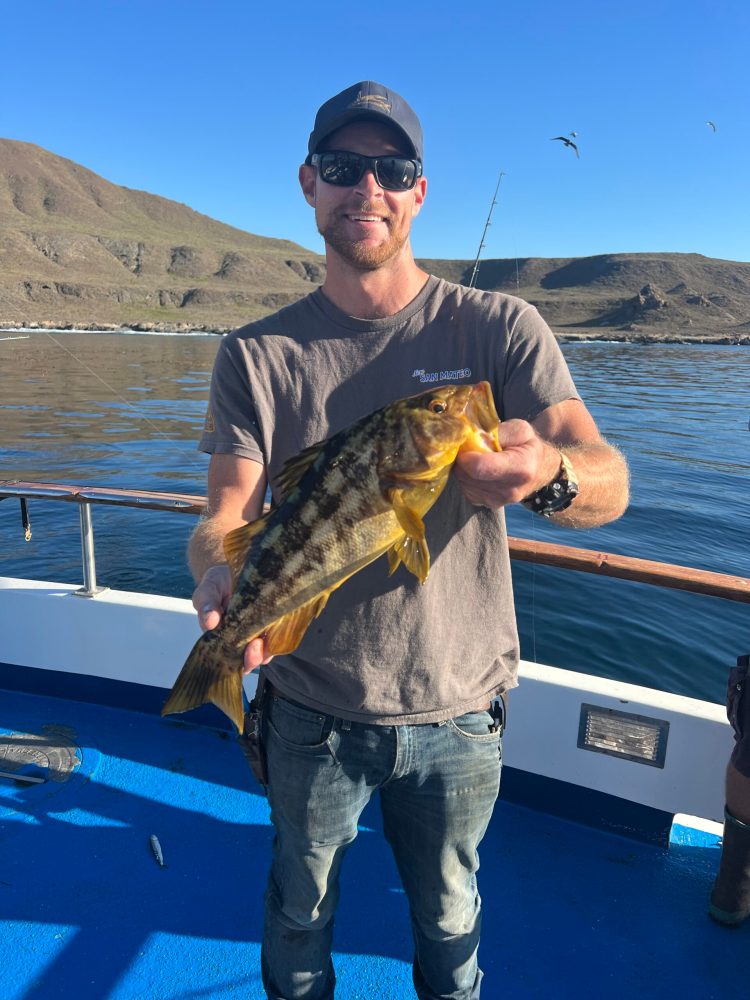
(437,406)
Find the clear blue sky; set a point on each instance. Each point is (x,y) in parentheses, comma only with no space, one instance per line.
(211,103)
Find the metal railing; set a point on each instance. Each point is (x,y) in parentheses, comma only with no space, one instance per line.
(698,581)
(87,496)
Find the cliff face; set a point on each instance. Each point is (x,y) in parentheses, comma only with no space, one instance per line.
(77,250)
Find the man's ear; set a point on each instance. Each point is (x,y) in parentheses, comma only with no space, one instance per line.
(307,178)
(420,191)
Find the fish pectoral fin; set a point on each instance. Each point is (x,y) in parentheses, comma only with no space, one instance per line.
(412,549)
(285,634)
(237,544)
(408,518)
(203,679)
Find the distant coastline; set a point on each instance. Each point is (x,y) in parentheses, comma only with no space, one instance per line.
(582,336)
(81,253)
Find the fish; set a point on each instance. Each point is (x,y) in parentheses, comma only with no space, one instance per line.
(343,503)
(156,849)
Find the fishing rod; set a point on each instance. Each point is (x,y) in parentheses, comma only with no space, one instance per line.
(484,233)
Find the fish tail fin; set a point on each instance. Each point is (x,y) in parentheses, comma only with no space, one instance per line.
(204,678)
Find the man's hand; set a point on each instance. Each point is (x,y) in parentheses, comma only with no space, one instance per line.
(525,464)
(211,596)
(210,599)
(530,459)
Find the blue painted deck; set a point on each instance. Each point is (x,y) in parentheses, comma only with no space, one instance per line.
(87,913)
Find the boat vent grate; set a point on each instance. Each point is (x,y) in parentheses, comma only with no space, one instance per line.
(639,738)
(36,758)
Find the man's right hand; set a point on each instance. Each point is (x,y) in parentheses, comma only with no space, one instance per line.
(210,599)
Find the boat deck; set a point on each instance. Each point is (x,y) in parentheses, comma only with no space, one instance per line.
(88,913)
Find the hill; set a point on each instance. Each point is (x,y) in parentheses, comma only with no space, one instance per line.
(77,250)
(638,296)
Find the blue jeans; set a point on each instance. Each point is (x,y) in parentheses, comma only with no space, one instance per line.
(438,784)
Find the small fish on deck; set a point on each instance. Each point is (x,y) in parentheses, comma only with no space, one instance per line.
(346,501)
(156,849)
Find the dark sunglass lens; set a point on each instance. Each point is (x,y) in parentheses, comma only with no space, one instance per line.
(344,169)
(396,173)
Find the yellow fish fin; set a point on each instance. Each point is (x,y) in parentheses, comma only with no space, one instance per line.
(413,554)
(285,634)
(412,548)
(237,544)
(394,557)
(294,468)
(204,679)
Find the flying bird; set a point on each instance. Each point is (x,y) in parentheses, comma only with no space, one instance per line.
(712,125)
(567,141)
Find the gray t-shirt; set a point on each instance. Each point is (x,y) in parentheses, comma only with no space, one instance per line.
(387,650)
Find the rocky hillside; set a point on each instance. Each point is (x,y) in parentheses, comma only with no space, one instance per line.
(664,296)
(77,250)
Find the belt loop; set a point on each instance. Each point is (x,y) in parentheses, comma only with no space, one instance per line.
(346,725)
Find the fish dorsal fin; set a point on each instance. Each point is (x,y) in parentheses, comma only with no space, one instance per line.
(284,635)
(295,468)
(411,549)
(237,544)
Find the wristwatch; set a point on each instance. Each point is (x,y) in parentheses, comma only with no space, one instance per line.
(557,495)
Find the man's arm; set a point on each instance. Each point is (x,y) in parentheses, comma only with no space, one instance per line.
(236,488)
(530,459)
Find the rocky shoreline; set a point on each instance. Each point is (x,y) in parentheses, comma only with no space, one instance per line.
(632,335)
(650,337)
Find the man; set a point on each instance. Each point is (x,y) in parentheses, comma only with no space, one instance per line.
(390,689)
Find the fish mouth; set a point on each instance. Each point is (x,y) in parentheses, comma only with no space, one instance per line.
(480,411)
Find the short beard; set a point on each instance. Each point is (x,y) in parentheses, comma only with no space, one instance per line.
(357,253)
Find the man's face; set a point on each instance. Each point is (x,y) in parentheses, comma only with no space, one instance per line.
(365,224)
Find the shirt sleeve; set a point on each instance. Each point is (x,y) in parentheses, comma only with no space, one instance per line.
(231,426)
(536,373)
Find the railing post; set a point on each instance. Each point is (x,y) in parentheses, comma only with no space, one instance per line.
(89,588)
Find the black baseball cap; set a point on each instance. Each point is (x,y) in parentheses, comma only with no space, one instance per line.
(367,100)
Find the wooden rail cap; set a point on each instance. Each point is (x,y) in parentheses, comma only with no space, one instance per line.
(698,581)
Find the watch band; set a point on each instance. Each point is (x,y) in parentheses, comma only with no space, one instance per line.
(557,495)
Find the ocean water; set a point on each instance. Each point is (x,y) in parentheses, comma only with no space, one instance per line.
(125,410)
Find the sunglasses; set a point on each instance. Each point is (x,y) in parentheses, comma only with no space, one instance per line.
(344,169)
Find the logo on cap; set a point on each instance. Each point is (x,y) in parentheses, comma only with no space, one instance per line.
(375,101)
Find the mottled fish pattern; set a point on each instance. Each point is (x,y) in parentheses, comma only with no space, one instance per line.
(344,502)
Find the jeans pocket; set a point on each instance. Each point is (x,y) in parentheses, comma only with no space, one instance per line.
(299,728)
(476,727)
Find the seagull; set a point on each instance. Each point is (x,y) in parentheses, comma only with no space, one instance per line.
(712,125)
(574,134)
(567,141)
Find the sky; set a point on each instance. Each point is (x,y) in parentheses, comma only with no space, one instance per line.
(211,104)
